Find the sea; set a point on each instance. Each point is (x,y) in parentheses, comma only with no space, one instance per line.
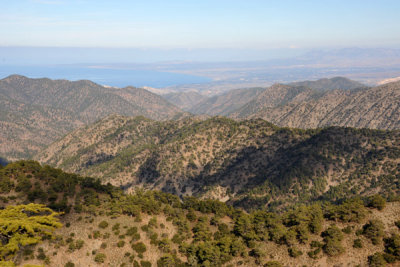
(116,77)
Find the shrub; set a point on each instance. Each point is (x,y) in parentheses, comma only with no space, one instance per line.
(293,252)
(168,260)
(145,263)
(116,227)
(79,244)
(103,224)
(374,231)
(352,210)
(316,244)
(376,201)
(392,245)
(347,230)
(191,215)
(121,243)
(131,231)
(41,255)
(357,243)
(332,237)
(71,246)
(314,253)
(333,248)
(100,258)
(96,234)
(69,264)
(139,247)
(376,260)
(273,264)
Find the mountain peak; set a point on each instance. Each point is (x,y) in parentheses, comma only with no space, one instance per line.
(44,110)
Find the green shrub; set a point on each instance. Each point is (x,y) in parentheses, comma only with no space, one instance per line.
(103,224)
(357,243)
(332,238)
(314,253)
(100,258)
(392,245)
(121,243)
(352,210)
(145,263)
(139,247)
(316,244)
(69,264)
(293,252)
(347,230)
(41,255)
(376,201)
(116,227)
(376,260)
(96,234)
(374,231)
(168,260)
(273,264)
(131,231)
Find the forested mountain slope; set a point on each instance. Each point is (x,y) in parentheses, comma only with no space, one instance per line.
(225,103)
(330,84)
(36,112)
(233,100)
(251,163)
(185,100)
(300,107)
(89,224)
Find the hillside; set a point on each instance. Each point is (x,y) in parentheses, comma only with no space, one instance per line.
(185,100)
(249,163)
(330,84)
(299,107)
(228,102)
(225,103)
(101,226)
(36,112)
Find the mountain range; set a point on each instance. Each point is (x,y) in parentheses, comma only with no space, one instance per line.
(250,163)
(151,185)
(36,112)
(310,104)
(301,107)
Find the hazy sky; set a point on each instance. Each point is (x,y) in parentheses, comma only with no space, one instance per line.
(191,24)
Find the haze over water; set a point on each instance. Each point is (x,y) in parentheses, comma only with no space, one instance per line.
(104,76)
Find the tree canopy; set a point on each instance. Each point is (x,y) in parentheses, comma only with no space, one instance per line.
(24,225)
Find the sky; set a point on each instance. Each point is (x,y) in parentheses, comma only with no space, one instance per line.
(206,25)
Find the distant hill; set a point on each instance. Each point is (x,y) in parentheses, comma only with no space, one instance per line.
(36,112)
(330,84)
(185,100)
(234,100)
(225,103)
(251,163)
(300,107)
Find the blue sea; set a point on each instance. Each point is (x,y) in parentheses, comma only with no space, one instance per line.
(104,76)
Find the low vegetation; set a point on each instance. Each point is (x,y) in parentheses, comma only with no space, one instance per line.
(250,164)
(152,228)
